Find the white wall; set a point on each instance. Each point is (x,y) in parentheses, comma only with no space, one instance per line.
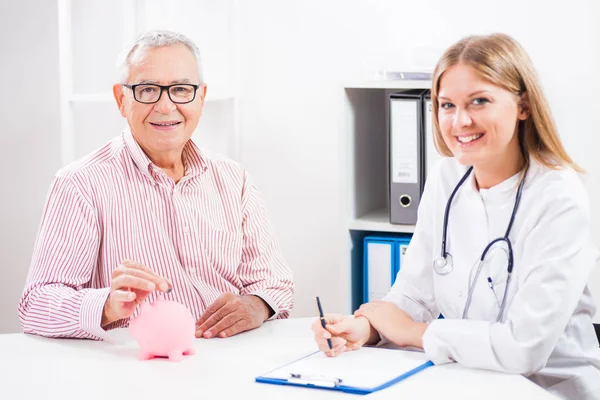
(290,61)
(295,57)
(30,138)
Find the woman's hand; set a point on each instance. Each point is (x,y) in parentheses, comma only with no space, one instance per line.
(393,323)
(345,332)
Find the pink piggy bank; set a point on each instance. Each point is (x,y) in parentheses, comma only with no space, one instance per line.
(164,329)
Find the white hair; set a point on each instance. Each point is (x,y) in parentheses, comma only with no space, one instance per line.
(148,40)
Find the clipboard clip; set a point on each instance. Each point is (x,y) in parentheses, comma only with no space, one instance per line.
(315,380)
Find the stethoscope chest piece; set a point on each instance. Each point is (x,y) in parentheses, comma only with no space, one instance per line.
(443,265)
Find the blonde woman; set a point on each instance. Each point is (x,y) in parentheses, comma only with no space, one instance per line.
(502,246)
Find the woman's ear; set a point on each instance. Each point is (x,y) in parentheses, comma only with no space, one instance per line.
(524,109)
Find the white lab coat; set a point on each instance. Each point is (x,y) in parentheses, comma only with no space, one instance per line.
(546,330)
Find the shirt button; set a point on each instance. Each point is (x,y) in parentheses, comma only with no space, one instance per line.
(460,294)
(186,229)
(192,270)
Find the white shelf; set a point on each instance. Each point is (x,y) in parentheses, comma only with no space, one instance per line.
(108,97)
(92,98)
(389,84)
(378,221)
(218,97)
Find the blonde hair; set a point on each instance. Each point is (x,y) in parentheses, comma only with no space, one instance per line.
(501,60)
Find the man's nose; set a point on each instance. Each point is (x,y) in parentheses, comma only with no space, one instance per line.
(164,105)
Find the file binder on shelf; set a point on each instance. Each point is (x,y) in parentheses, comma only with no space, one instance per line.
(383,257)
(431,153)
(406,155)
(362,371)
(401,247)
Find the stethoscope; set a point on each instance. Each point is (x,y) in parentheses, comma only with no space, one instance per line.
(444,264)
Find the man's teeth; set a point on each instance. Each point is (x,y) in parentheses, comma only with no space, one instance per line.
(174,123)
(467,139)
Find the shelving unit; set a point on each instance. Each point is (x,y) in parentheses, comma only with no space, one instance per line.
(366,119)
(378,221)
(92,98)
(108,97)
(383,84)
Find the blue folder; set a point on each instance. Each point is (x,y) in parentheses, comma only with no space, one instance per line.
(396,246)
(386,366)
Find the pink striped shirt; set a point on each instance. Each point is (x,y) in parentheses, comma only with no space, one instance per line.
(209,234)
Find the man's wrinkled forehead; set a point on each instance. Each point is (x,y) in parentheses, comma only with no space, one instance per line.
(146,67)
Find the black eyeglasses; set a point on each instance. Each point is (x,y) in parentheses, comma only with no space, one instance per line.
(180,93)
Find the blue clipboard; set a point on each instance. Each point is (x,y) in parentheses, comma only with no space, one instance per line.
(310,370)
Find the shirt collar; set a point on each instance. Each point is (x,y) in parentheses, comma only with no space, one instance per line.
(505,191)
(193,159)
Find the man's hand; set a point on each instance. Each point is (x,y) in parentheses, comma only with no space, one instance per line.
(231,314)
(130,285)
(393,323)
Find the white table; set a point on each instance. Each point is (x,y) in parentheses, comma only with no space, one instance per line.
(33,367)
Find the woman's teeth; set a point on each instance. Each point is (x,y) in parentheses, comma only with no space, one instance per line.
(467,139)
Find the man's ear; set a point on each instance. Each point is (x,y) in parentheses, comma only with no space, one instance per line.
(202,94)
(119,95)
(203,90)
(524,108)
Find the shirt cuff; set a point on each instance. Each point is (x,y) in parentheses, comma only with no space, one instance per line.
(90,317)
(433,346)
(270,302)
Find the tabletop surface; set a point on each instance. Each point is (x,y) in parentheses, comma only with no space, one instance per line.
(33,367)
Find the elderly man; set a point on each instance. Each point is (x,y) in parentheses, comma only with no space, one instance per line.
(151,214)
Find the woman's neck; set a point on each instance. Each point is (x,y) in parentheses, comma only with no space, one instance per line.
(494,173)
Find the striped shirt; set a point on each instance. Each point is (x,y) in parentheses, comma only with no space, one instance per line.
(209,234)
